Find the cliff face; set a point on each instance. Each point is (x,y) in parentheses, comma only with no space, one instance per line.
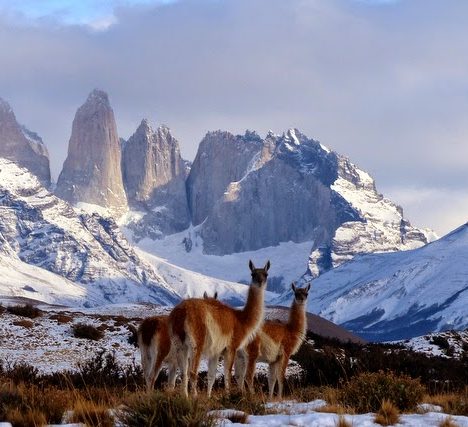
(254,194)
(154,178)
(92,170)
(222,158)
(21,146)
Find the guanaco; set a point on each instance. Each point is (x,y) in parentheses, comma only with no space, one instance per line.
(155,347)
(210,328)
(275,343)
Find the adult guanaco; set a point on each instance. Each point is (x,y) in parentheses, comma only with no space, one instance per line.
(155,347)
(205,327)
(275,343)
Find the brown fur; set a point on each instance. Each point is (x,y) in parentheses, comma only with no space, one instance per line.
(275,343)
(155,346)
(209,327)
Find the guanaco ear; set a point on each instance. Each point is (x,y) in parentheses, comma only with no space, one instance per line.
(267,266)
(215,295)
(251,265)
(205,295)
(293,287)
(308,287)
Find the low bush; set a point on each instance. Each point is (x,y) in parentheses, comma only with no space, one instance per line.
(61,318)
(251,404)
(452,403)
(366,392)
(159,409)
(90,332)
(24,323)
(26,310)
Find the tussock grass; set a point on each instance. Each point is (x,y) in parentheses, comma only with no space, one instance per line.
(24,323)
(342,422)
(452,403)
(158,409)
(90,332)
(448,422)
(92,414)
(27,418)
(388,414)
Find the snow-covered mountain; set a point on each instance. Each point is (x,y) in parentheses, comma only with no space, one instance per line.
(42,237)
(285,197)
(398,295)
(20,145)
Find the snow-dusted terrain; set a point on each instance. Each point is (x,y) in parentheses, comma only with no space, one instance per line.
(42,237)
(398,295)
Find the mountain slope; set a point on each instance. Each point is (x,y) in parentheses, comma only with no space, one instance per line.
(22,146)
(41,230)
(398,295)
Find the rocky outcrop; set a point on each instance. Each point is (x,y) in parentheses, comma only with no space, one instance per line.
(22,146)
(222,158)
(291,188)
(92,170)
(154,178)
(44,231)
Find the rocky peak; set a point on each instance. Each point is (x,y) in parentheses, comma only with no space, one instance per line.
(92,171)
(221,159)
(22,146)
(154,177)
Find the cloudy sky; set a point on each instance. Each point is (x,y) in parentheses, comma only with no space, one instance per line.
(384,82)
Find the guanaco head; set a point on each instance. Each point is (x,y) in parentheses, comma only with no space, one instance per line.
(259,275)
(300,294)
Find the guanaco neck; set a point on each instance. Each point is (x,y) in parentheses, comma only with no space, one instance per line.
(297,318)
(252,313)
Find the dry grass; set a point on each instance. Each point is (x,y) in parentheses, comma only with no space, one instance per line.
(28,324)
(342,422)
(452,403)
(336,409)
(388,414)
(61,318)
(90,332)
(28,418)
(26,310)
(448,422)
(92,414)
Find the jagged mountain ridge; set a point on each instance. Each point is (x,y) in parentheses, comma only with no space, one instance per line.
(294,189)
(41,230)
(20,145)
(154,177)
(399,295)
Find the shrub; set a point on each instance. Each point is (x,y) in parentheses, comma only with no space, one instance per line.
(452,403)
(24,323)
(90,332)
(22,373)
(26,310)
(388,414)
(61,318)
(2,309)
(367,391)
(159,409)
(92,414)
(440,341)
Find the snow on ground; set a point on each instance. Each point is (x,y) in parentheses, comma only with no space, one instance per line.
(288,260)
(51,347)
(310,418)
(456,342)
(192,285)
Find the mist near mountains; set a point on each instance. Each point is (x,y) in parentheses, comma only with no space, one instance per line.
(387,89)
